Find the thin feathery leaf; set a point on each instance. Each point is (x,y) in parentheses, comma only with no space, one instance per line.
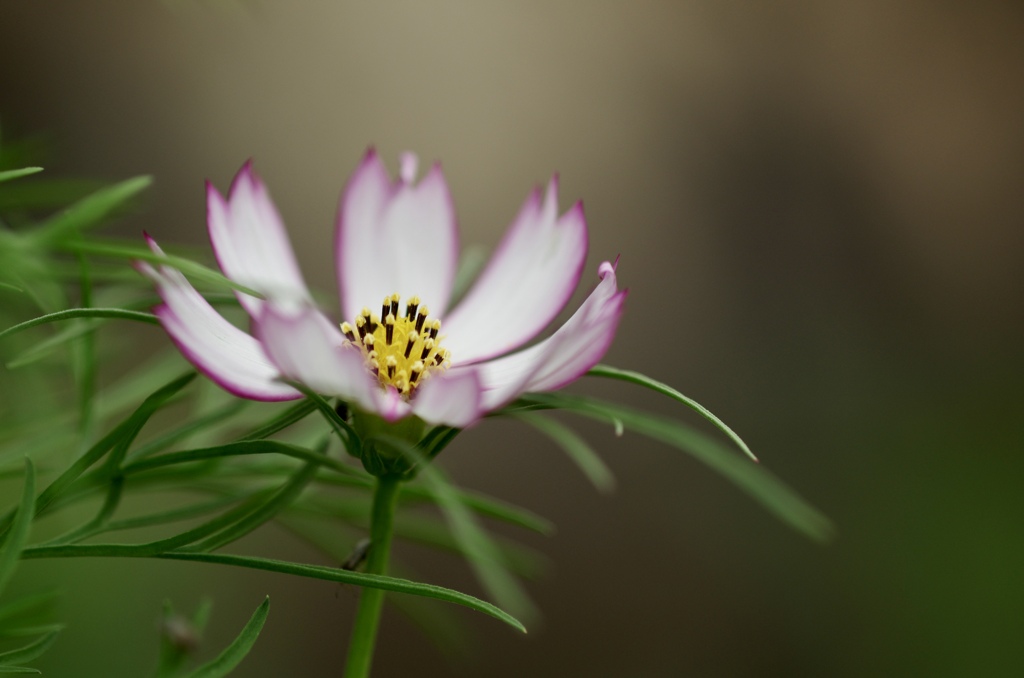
(474,541)
(97,451)
(592,466)
(277,503)
(771,492)
(29,652)
(8,175)
(647,382)
(90,211)
(393,584)
(18,534)
(240,449)
(71,313)
(234,653)
(186,266)
(292,415)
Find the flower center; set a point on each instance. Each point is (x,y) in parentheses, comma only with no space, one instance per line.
(402,350)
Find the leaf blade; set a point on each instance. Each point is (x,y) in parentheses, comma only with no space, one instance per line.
(393,584)
(68,314)
(584,456)
(18,534)
(234,653)
(756,481)
(8,175)
(89,211)
(647,382)
(29,652)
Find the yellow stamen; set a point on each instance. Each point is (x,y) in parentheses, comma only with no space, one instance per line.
(402,350)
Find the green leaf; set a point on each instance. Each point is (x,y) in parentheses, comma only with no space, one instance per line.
(486,506)
(479,503)
(244,448)
(25,609)
(169,516)
(429,531)
(189,429)
(348,435)
(90,211)
(90,528)
(480,550)
(292,415)
(18,669)
(16,537)
(85,356)
(378,581)
(42,349)
(126,428)
(664,389)
(186,266)
(234,653)
(246,506)
(576,447)
(45,193)
(8,175)
(118,313)
(279,501)
(29,652)
(771,492)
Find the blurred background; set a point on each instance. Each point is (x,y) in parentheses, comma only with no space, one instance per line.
(819,210)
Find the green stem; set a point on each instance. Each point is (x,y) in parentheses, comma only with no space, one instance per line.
(371,601)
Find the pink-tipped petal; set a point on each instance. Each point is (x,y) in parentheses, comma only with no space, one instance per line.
(251,243)
(221,351)
(529,279)
(395,237)
(563,357)
(450,399)
(306,347)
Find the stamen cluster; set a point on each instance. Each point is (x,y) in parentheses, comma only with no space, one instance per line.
(402,350)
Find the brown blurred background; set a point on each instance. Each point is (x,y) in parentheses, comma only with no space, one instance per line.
(819,211)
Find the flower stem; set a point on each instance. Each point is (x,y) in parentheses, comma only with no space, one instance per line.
(364,634)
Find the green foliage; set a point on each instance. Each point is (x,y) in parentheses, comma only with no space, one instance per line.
(666,390)
(106,432)
(21,521)
(234,653)
(771,492)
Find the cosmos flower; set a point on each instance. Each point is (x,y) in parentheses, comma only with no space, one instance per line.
(400,351)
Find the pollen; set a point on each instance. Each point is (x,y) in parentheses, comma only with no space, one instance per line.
(402,349)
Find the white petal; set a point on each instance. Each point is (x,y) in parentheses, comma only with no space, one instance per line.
(564,356)
(308,348)
(251,243)
(395,237)
(221,351)
(450,399)
(530,278)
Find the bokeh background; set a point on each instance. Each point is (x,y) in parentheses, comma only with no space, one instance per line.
(820,214)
